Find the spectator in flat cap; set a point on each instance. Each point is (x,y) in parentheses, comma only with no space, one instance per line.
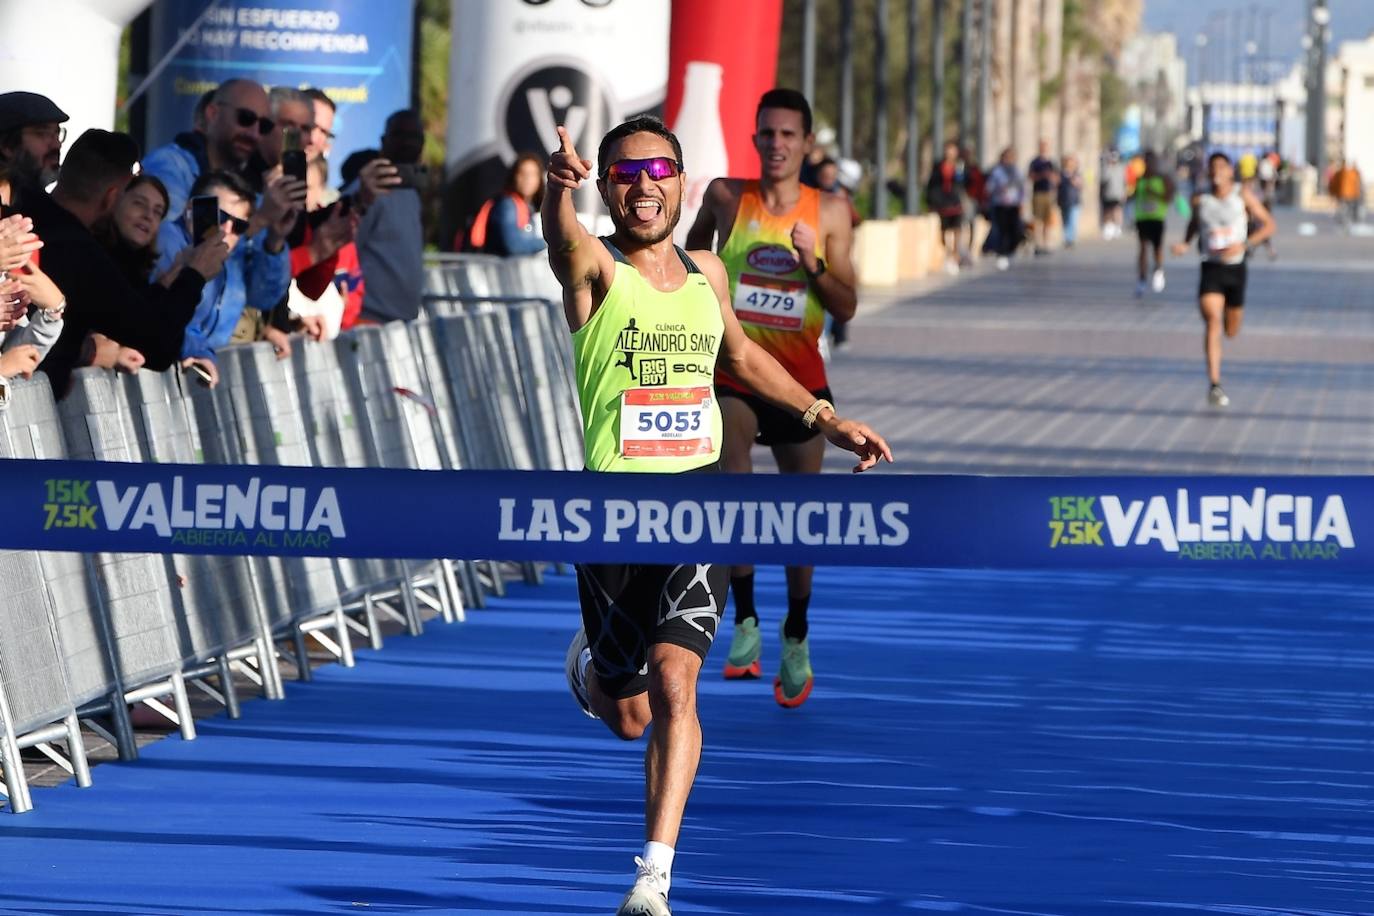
(31,136)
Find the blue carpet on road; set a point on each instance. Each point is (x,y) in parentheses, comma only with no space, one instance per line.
(976,743)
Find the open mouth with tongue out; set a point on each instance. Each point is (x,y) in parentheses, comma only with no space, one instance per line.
(645,209)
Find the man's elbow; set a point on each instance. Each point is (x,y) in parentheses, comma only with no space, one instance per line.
(844,311)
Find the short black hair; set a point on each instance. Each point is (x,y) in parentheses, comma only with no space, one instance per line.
(97,159)
(789,100)
(1220,155)
(404,114)
(644,124)
(319,96)
(230,181)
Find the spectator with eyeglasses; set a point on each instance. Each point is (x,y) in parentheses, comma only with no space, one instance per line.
(321,140)
(252,274)
(31,137)
(237,118)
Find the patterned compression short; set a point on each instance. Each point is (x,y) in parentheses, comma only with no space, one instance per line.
(628,608)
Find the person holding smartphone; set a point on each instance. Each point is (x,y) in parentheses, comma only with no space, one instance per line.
(221,206)
(390,234)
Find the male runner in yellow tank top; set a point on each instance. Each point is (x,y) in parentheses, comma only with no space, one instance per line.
(648,322)
(786,247)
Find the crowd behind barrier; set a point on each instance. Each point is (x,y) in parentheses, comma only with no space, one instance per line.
(481,380)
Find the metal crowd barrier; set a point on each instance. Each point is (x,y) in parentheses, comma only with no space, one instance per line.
(482,380)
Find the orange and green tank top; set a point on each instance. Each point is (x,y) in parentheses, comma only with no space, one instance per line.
(769,290)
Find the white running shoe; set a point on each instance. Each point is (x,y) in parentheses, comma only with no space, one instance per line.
(1157,281)
(1003,262)
(649,896)
(1217,398)
(951,267)
(575,665)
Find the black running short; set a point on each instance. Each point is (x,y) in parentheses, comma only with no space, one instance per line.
(949,222)
(776,426)
(1227,279)
(629,608)
(1151,230)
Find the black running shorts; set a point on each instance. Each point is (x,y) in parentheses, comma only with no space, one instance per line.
(776,426)
(629,608)
(1151,230)
(1227,279)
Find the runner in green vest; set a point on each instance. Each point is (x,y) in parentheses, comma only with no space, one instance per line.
(649,321)
(1154,191)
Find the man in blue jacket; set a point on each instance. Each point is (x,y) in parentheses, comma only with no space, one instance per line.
(257,273)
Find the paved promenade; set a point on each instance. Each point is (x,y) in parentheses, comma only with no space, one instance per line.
(1054,367)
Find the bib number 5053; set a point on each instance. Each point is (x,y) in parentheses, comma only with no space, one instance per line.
(669,421)
(666,422)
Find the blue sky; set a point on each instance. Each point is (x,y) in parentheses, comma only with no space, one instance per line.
(1350,19)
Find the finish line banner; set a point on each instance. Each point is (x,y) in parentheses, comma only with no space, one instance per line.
(827,520)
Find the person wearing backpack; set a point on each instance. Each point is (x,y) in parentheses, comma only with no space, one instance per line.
(505,224)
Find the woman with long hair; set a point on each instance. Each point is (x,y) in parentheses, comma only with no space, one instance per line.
(505,224)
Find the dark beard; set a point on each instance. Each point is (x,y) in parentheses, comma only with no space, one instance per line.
(647,237)
(25,169)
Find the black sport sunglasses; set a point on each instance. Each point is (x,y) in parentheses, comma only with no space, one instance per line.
(247,117)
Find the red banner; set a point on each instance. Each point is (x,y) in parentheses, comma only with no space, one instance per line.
(722,55)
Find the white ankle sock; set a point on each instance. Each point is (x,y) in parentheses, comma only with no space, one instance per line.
(659,857)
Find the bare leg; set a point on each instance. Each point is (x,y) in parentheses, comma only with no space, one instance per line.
(1211,306)
(1234,316)
(670,763)
(627,719)
(1144,260)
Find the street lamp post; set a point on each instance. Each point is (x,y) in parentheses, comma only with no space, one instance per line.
(880,110)
(913,127)
(965,71)
(809,50)
(847,78)
(984,78)
(1318,25)
(937,76)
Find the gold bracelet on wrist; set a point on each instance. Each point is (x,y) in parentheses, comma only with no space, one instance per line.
(809,418)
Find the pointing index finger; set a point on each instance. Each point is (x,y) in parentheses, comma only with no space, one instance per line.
(565,142)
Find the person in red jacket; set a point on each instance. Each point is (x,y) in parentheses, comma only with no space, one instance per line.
(944,195)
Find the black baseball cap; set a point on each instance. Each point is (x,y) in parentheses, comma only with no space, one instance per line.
(20,109)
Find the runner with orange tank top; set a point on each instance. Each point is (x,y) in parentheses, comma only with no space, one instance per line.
(786,248)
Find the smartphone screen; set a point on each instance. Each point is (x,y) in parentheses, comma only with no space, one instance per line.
(204,218)
(293,164)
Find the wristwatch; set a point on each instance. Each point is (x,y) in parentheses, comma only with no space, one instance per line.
(54,315)
(818,272)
